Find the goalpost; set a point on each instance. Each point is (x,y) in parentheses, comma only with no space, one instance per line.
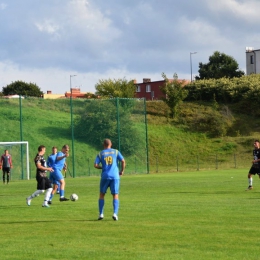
(16,149)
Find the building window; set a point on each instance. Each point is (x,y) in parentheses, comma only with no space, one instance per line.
(252,59)
(138,88)
(148,88)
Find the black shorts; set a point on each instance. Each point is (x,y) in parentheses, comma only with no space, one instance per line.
(254,170)
(6,170)
(43,183)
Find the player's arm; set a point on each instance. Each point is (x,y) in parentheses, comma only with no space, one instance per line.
(97,166)
(65,166)
(58,158)
(1,161)
(48,161)
(10,162)
(97,162)
(42,168)
(122,167)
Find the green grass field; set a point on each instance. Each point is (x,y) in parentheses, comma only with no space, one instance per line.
(194,215)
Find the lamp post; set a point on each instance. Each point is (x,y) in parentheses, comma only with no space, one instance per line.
(70,84)
(191,64)
(72,128)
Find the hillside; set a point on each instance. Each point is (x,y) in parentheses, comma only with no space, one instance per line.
(174,144)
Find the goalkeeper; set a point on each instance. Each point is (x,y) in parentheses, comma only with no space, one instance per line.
(6,165)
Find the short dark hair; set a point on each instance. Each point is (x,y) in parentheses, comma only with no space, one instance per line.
(65,146)
(40,148)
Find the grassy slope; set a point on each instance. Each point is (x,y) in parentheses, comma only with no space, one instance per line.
(168,140)
(47,122)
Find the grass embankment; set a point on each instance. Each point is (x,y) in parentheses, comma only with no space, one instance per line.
(172,145)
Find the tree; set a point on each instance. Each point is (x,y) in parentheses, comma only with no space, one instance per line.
(91,95)
(220,65)
(23,89)
(174,93)
(115,88)
(99,119)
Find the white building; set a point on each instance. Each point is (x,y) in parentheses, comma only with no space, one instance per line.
(252,61)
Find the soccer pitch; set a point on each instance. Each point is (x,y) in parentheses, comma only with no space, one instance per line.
(184,215)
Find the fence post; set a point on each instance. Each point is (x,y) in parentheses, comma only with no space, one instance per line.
(235,160)
(88,167)
(177,162)
(157,163)
(198,163)
(135,164)
(216,161)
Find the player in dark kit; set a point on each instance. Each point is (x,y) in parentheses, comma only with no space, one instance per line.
(255,168)
(43,183)
(6,165)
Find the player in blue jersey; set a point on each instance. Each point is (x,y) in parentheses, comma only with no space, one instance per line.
(50,162)
(109,158)
(57,175)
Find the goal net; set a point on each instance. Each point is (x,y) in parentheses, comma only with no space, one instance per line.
(20,159)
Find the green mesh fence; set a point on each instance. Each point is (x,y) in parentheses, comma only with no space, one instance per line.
(82,124)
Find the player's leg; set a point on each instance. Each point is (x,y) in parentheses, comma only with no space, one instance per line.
(250,182)
(40,190)
(8,175)
(51,178)
(62,189)
(58,188)
(35,194)
(48,188)
(114,187)
(252,172)
(3,176)
(55,183)
(55,186)
(58,177)
(101,201)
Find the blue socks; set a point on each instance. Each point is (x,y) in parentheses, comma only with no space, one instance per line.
(116,206)
(62,193)
(101,204)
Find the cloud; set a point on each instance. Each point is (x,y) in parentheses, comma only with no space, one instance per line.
(246,10)
(3,6)
(46,41)
(47,26)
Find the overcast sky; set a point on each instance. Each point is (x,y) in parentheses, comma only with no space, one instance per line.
(46,41)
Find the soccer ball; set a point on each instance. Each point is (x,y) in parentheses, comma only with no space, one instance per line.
(74,197)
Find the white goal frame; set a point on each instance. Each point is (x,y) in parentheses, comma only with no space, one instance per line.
(27,154)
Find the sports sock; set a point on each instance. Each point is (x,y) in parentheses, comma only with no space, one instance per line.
(47,195)
(36,193)
(101,203)
(250,181)
(62,193)
(116,206)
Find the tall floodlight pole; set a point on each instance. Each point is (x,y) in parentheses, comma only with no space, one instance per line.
(70,83)
(191,64)
(72,128)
